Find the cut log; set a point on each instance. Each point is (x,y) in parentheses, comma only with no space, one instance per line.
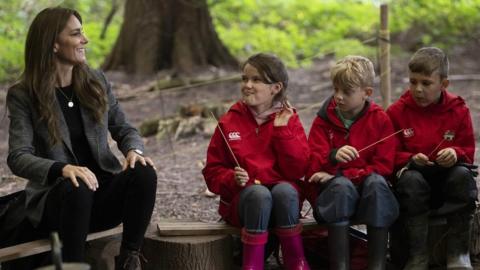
(187,252)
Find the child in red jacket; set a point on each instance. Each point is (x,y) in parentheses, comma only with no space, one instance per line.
(269,143)
(436,143)
(347,183)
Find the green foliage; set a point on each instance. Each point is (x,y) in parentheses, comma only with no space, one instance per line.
(440,23)
(15,15)
(296,30)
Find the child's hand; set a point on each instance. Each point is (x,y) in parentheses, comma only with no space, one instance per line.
(446,157)
(241,176)
(421,160)
(346,153)
(282,117)
(320,177)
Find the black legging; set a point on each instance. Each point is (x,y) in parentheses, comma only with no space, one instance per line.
(127,197)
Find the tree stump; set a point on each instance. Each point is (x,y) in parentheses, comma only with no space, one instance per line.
(187,252)
(100,253)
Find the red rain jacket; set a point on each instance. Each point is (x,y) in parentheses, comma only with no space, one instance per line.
(328,134)
(269,154)
(448,122)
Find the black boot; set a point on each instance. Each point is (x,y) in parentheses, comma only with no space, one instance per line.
(338,247)
(377,247)
(417,236)
(128,260)
(458,241)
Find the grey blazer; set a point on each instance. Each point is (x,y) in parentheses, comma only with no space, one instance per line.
(30,155)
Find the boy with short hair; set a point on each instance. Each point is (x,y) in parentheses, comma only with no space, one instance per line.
(347,182)
(436,142)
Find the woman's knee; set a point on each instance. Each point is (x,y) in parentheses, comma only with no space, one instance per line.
(144,176)
(76,197)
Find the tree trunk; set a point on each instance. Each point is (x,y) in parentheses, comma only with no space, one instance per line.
(167,34)
(214,252)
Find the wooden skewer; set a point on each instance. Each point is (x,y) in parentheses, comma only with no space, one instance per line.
(225,139)
(436,147)
(381,140)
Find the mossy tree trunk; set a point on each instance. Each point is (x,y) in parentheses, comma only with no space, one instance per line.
(167,34)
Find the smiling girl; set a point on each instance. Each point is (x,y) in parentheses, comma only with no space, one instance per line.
(268,140)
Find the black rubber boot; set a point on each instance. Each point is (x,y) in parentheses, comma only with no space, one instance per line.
(338,247)
(458,241)
(417,235)
(377,247)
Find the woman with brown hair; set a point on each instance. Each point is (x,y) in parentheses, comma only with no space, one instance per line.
(258,181)
(61,112)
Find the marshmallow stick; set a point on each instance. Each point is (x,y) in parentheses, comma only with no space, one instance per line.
(225,139)
(436,147)
(381,140)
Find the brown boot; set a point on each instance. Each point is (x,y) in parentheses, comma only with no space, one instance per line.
(129,260)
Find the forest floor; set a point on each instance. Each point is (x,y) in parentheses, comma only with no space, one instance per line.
(181,188)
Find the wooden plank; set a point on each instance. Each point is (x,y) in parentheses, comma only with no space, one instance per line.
(184,228)
(24,250)
(194,228)
(43,245)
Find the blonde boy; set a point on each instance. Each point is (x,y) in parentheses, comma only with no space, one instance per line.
(346,183)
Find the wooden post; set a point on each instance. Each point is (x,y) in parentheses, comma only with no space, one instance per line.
(384,42)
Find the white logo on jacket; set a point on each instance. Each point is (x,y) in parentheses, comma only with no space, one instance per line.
(449,135)
(234,136)
(408,132)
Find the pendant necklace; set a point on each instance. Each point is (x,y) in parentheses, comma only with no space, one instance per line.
(70,102)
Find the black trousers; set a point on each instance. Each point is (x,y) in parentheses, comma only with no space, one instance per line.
(127,197)
(437,190)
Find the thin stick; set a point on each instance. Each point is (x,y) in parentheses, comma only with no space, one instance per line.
(381,140)
(436,147)
(225,139)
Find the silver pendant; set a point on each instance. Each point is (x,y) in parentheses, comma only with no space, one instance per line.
(70,104)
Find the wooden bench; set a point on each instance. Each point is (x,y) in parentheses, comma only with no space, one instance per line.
(192,228)
(43,245)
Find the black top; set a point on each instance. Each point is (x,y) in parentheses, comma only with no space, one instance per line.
(80,146)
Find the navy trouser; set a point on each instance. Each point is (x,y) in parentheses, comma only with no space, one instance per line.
(128,197)
(372,203)
(260,207)
(442,191)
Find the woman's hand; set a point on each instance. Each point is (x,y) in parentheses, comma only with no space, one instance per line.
(282,117)
(241,176)
(88,177)
(133,157)
(346,154)
(446,157)
(320,177)
(421,160)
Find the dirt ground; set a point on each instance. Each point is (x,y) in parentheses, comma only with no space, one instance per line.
(180,190)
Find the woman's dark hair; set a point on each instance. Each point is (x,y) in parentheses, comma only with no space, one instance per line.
(40,74)
(272,70)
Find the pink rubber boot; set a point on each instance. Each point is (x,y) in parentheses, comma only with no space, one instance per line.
(292,248)
(253,250)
